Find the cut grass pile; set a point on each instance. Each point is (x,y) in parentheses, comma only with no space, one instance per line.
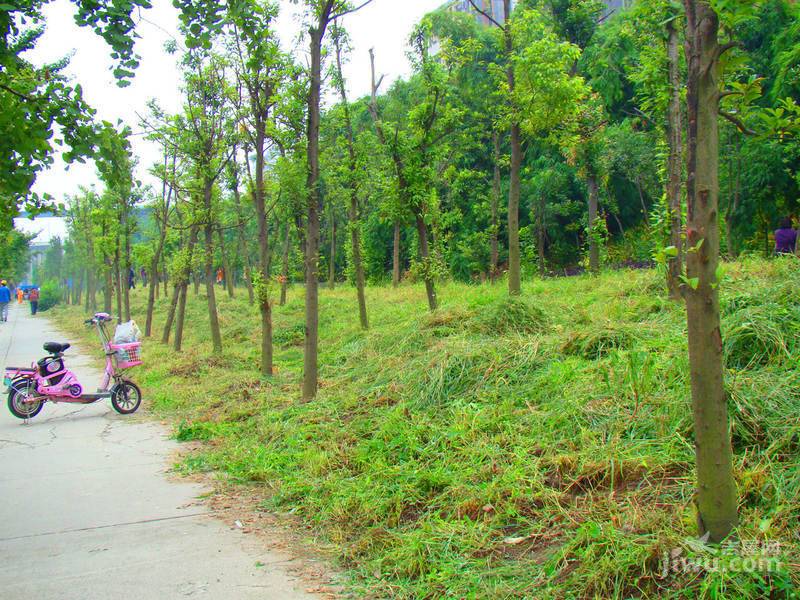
(538,447)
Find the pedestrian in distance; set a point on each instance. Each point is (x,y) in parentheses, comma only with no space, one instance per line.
(5,298)
(143,276)
(785,237)
(33,298)
(131,279)
(20,295)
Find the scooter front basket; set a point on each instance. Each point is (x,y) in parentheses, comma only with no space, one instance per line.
(127,355)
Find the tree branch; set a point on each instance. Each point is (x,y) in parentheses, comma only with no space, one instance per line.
(16,93)
(352,10)
(488,16)
(736,121)
(726,93)
(723,48)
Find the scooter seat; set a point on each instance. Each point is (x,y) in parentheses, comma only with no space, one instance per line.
(55,347)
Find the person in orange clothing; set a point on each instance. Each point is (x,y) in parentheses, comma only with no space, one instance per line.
(20,294)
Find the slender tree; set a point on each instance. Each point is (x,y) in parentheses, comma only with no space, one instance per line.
(208,130)
(354,209)
(260,69)
(161,214)
(504,24)
(716,488)
(322,14)
(674,170)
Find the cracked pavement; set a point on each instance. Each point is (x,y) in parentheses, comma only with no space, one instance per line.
(84,497)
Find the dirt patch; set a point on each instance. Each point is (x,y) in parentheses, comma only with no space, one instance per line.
(240,508)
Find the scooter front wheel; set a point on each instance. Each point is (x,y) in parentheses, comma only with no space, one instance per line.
(20,393)
(126,397)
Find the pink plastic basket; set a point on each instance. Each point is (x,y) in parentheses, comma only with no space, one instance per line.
(128,355)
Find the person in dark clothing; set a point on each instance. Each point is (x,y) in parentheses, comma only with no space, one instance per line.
(33,298)
(131,279)
(785,237)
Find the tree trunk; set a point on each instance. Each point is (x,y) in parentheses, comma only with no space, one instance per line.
(213,318)
(262,290)
(180,317)
(353,216)
(424,254)
(184,288)
(674,171)
(355,241)
(514,275)
(248,275)
(173,305)
(494,252)
(396,255)
(108,289)
(77,289)
(594,201)
(151,294)
(91,278)
(118,283)
(767,246)
(332,263)
(540,235)
(734,176)
(310,373)
(226,264)
(285,265)
(127,265)
(716,488)
(87,303)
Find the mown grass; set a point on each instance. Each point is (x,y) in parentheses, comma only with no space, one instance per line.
(531,448)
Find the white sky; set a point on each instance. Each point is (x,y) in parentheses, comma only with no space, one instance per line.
(45,228)
(383,25)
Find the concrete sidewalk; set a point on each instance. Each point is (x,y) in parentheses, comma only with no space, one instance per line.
(86,511)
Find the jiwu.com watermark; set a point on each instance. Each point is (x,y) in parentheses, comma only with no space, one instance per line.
(739,556)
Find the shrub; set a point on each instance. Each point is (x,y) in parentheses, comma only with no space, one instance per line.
(49,295)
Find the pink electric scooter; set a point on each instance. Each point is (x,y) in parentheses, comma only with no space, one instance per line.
(48,380)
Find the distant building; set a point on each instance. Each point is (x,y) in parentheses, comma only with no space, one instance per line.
(36,260)
(46,228)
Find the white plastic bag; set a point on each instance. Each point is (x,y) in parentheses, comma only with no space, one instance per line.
(127,333)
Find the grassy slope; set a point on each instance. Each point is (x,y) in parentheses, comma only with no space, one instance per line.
(540,448)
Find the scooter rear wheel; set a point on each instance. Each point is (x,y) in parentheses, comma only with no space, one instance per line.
(19,394)
(126,397)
